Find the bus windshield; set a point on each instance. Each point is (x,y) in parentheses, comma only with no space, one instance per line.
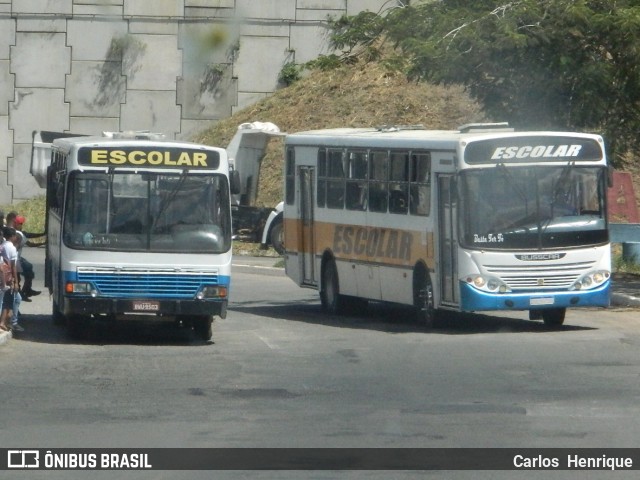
(533,207)
(148,212)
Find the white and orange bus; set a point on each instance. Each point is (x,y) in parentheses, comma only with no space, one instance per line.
(477,219)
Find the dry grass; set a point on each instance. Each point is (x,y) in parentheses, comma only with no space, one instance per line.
(365,95)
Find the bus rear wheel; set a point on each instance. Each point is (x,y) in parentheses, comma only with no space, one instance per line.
(553,317)
(423,298)
(330,297)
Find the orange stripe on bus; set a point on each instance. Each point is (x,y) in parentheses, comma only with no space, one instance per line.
(360,243)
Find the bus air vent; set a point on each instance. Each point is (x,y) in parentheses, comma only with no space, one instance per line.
(485,127)
(399,128)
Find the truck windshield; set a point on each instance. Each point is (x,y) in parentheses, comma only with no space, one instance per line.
(533,207)
(148,212)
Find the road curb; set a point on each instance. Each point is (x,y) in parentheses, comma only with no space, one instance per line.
(261,265)
(259,269)
(623,300)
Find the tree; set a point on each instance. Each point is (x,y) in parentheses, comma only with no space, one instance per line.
(556,64)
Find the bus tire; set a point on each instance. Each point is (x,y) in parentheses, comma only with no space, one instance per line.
(332,301)
(423,298)
(203,327)
(553,317)
(276,236)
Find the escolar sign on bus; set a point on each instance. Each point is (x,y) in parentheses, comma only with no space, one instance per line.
(148,157)
(535,148)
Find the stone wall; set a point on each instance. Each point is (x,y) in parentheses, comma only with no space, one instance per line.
(170,66)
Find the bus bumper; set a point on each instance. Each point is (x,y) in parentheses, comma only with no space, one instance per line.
(111,307)
(472,299)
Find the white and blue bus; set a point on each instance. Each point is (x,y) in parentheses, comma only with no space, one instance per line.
(138,228)
(476,219)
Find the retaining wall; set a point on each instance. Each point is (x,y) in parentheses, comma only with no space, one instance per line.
(171,66)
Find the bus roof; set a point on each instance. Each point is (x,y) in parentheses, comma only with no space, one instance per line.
(414,136)
(68,143)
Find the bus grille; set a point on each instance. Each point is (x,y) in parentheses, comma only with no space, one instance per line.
(540,276)
(134,283)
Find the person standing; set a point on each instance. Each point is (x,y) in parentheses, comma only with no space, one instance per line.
(25,268)
(4,284)
(9,253)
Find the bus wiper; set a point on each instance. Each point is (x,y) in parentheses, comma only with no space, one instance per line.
(169,199)
(557,191)
(562,181)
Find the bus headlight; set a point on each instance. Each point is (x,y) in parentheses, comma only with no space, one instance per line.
(212,291)
(591,280)
(487,284)
(80,288)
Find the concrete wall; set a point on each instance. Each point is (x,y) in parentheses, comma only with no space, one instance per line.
(170,66)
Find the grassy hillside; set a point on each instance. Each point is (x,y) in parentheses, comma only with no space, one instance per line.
(362,96)
(359,96)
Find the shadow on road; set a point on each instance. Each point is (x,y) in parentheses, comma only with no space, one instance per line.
(40,329)
(399,319)
(378,317)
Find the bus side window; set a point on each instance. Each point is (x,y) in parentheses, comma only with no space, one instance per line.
(55,183)
(378,181)
(335,181)
(398,199)
(357,180)
(321,194)
(290,185)
(398,187)
(420,187)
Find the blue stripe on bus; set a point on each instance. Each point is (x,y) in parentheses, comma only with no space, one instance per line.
(157,286)
(472,299)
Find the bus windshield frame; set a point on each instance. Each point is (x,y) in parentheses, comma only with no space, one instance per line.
(533,207)
(164,212)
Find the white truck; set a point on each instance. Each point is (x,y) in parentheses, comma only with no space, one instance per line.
(251,223)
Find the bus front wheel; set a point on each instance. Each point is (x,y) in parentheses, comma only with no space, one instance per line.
(203,327)
(277,236)
(330,289)
(423,298)
(553,317)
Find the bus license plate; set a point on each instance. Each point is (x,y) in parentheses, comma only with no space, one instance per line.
(145,306)
(541,301)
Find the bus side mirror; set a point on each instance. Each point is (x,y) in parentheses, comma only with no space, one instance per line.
(234,180)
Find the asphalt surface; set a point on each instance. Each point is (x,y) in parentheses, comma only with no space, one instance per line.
(625,286)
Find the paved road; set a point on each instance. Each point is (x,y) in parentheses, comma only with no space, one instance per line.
(280,373)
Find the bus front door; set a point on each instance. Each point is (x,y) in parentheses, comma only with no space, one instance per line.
(307,178)
(447,240)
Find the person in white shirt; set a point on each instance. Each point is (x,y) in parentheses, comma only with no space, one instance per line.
(25,268)
(10,254)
